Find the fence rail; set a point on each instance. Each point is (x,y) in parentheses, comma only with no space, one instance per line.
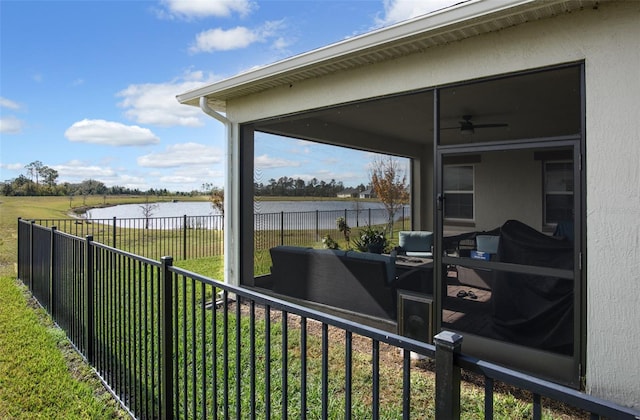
(188,237)
(170,343)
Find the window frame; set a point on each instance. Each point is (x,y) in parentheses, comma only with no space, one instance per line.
(472,192)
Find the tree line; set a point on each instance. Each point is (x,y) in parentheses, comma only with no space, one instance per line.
(296,187)
(42,180)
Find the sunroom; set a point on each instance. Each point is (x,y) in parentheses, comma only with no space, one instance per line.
(489,104)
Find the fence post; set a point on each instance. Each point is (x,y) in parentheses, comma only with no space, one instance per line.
(166,339)
(33,222)
(114,232)
(317,225)
(88,300)
(184,237)
(447,375)
(19,242)
(282,228)
(51,271)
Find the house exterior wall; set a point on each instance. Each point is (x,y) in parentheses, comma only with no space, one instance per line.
(606,39)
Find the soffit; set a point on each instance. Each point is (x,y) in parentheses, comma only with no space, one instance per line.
(465,20)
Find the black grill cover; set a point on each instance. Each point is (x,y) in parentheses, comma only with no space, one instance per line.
(533,310)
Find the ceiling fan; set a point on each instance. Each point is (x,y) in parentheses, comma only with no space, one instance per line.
(467,127)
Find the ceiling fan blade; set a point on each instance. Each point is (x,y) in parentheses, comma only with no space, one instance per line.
(490,125)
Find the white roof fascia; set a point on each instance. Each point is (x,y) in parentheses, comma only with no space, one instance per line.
(459,13)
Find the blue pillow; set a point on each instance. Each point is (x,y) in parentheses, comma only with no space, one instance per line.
(415,240)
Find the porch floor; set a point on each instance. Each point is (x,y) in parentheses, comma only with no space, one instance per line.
(464,312)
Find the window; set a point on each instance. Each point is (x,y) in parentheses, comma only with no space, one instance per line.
(458,192)
(558,192)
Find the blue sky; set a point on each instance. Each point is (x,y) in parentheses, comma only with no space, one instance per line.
(88,87)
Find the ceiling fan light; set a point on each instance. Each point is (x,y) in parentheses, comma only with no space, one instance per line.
(466,131)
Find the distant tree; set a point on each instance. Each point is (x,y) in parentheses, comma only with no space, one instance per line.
(390,185)
(49,176)
(147,211)
(207,186)
(34,169)
(92,187)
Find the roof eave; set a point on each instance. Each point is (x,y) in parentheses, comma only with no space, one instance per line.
(217,93)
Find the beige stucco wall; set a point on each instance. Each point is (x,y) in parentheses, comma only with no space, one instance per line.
(499,198)
(607,39)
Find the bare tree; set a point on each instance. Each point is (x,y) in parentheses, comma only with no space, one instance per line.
(390,185)
(147,211)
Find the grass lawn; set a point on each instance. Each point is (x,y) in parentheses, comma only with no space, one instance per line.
(41,375)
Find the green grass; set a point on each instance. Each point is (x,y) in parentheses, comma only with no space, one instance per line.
(41,375)
(36,380)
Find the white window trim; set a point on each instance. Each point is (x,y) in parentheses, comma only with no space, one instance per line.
(472,192)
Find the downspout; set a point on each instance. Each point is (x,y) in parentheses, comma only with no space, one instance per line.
(231,197)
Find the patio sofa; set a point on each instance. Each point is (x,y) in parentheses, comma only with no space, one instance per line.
(361,282)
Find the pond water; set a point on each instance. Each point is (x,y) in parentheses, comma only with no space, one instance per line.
(204,208)
(269,215)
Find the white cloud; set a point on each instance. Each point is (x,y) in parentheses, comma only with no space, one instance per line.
(155,103)
(223,40)
(399,10)
(178,179)
(191,177)
(180,155)
(202,8)
(12,166)
(78,170)
(127,181)
(268,162)
(7,103)
(219,39)
(110,133)
(11,125)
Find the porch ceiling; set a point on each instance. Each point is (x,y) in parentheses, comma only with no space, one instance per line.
(539,104)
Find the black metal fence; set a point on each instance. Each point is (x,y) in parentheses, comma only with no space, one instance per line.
(173,344)
(189,237)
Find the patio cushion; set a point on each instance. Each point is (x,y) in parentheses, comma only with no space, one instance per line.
(355,281)
(388,261)
(415,243)
(487,243)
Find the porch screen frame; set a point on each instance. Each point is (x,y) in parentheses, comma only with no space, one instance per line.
(569,370)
